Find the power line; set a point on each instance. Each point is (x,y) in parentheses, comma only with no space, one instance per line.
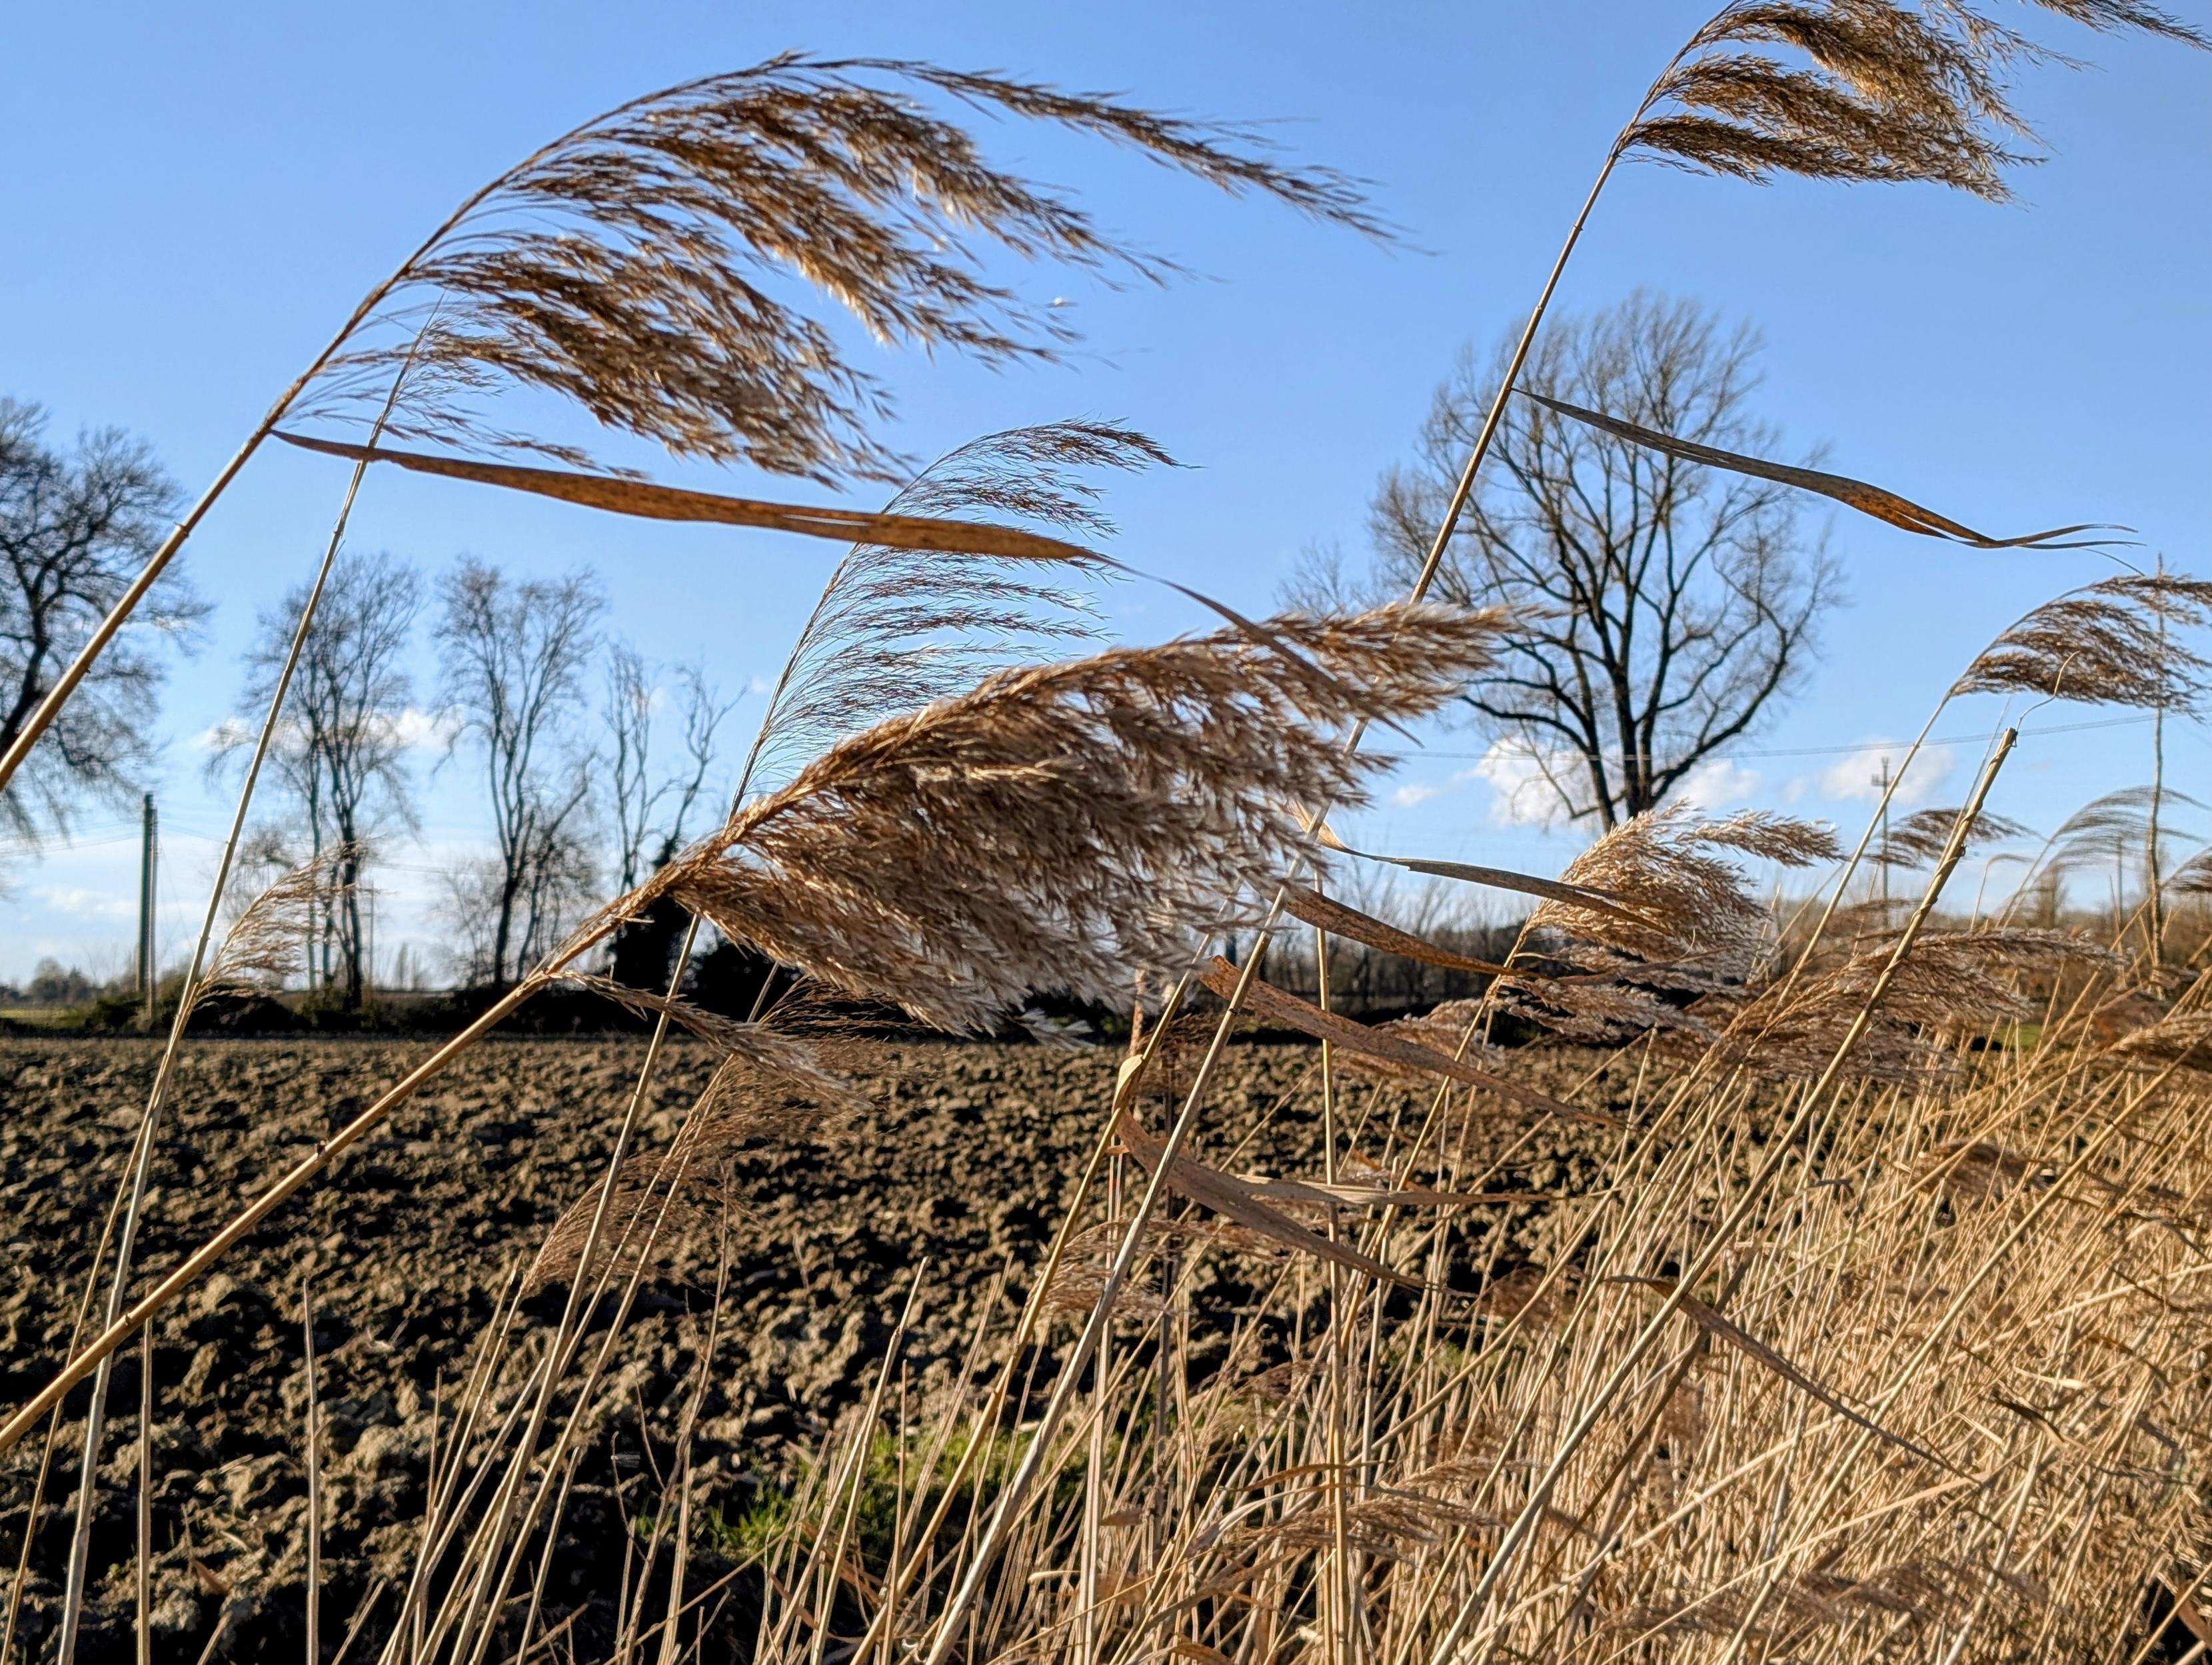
(1861,745)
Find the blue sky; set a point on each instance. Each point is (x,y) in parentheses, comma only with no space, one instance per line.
(196,195)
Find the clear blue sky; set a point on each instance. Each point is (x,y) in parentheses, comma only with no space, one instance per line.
(195,196)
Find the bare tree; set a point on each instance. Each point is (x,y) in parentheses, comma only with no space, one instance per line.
(1665,608)
(342,746)
(653,805)
(653,802)
(74,531)
(515,658)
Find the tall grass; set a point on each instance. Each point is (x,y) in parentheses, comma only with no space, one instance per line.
(1878,1334)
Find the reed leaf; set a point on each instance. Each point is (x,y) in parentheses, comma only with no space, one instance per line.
(1495,878)
(1326,913)
(618,494)
(1884,505)
(1235,1199)
(1269,1004)
(1708,1320)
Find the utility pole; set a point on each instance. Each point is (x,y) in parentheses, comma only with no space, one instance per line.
(1882,781)
(147,829)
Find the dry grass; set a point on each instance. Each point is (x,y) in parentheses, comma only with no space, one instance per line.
(1879,1335)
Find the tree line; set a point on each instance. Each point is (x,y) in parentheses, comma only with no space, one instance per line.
(585,760)
(1664,611)
(580,758)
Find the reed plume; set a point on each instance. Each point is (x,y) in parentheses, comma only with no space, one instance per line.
(1683,908)
(1890,94)
(267,944)
(896,629)
(2109,829)
(2110,643)
(632,265)
(768,1087)
(1949,985)
(1921,836)
(1104,813)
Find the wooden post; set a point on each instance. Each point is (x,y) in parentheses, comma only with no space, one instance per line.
(147,829)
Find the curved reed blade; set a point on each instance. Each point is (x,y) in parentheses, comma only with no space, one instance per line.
(1268,637)
(1868,500)
(1236,1200)
(1319,1191)
(1263,1001)
(1496,878)
(1743,1340)
(644,498)
(1326,913)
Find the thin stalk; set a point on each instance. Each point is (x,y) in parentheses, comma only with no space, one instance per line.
(53,1435)
(1057,1408)
(858,1477)
(682,1553)
(1494,418)
(2155,920)
(1462,491)
(189,1270)
(143,1152)
(986,1418)
(1016,1491)
(144,1580)
(1337,1612)
(1724,1231)
(315,1480)
(522,1649)
(572,1311)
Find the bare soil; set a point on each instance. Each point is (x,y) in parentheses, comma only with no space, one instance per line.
(409,1243)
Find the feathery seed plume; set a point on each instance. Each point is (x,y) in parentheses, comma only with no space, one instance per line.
(2112,643)
(633,264)
(1068,826)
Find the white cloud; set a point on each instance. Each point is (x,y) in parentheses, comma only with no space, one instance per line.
(420,729)
(82,900)
(413,730)
(1718,783)
(1418,792)
(1859,776)
(1521,782)
(222,736)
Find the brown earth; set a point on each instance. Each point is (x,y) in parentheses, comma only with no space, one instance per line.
(410,1241)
